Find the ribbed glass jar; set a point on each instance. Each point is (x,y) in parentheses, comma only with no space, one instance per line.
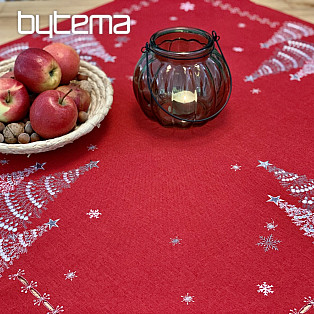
(189,80)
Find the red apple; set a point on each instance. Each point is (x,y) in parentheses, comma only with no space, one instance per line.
(37,70)
(53,114)
(9,74)
(14,100)
(80,96)
(68,59)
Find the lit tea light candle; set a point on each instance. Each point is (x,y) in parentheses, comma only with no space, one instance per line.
(184,102)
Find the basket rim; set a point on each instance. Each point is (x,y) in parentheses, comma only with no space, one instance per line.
(102,87)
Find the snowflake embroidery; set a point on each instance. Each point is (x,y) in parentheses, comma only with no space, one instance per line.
(57,310)
(235,167)
(271,225)
(309,304)
(94,213)
(31,285)
(92,148)
(20,272)
(70,275)
(41,299)
(187,298)
(129,77)
(187,6)
(241,25)
(4,162)
(175,241)
(173,18)
(238,49)
(268,243)
(111,79)
(265,288)
(309,300)
(255,91)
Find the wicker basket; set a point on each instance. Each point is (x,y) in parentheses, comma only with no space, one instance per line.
(101,100)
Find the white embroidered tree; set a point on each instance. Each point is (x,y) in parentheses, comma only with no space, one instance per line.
(29,198)
(288,31)
(11,249)
(308,68)
(292,55)
(300,187)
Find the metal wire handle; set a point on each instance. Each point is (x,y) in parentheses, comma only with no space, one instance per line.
(215,38)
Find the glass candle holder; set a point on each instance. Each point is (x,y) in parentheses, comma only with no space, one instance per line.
(181,79)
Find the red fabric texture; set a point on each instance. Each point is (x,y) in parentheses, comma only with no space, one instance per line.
(154,184)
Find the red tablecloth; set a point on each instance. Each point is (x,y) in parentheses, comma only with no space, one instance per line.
(215,219)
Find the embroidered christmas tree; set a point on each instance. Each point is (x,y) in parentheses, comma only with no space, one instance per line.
(29,198)
(9,181)
(300,187)
(292,55)
(308,68)
(11,248)
(288,31)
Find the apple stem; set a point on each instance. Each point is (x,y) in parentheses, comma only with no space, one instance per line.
(7,100)
(61,99)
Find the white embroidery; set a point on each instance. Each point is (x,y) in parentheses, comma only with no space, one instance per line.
(187,298)
(70,275)
(268,243)
(288,31)
(94,213)
(175,241)
(235,167)
(187,6)
(265,288)
(289,56)
(238,11)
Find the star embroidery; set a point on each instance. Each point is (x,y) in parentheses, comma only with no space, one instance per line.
(130,77)
(263,45)
(39,166)
(294,77)
(237,49)
(187,6)
(255,91)
(173,18)
(249,78)
(109,58)
(274,199)
(52,223)
(93,164)
(4,162)
(92,148)
(264,164)
(111,79)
